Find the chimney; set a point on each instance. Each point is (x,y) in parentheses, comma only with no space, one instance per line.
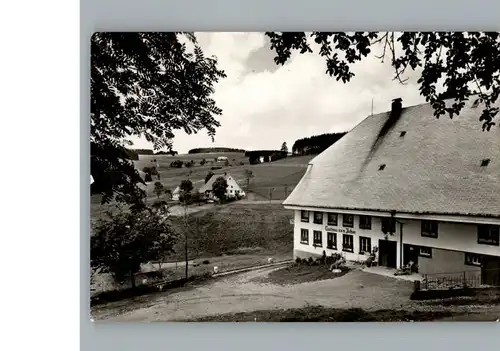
(397,106)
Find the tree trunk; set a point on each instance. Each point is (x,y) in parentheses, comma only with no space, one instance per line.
(132,279)
(186,237)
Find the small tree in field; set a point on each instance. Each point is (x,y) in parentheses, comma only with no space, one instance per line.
(219,188)
(159,189)
(284,147)
(248,175)
(123,241)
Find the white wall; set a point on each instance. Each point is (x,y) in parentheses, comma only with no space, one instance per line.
(375,234)
(232,185)
(451,236)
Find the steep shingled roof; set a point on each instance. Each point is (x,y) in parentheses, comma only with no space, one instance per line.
(208,185)
(435,167)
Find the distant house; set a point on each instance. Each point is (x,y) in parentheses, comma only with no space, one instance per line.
(233,189)
(410,188)
(221,159)
(176,193)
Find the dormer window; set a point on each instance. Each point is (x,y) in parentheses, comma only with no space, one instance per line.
(403,133)
(485,162)
(381,167)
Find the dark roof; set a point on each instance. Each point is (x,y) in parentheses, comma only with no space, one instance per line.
(435,167)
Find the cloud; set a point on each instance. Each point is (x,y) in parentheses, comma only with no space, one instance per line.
(265,104)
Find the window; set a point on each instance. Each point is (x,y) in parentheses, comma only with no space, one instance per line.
(365,245)
(488,234)
(425,252)
(388,225)
(317,238)
(347,243)
(429,229)
(304,216)
(473,259)
(348,220)
(331,241)
(485,162)
(304,236)
(381,167)
(333,219)
(318,217)
(365,222)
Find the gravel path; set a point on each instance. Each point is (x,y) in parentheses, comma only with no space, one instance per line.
(241,293)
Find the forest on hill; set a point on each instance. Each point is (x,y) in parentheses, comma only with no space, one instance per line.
(315,144)
(206,150)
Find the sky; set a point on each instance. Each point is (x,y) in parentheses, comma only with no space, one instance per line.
(265,104)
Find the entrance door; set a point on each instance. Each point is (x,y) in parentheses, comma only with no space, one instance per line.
(490,271)
(387,253)
(410,253)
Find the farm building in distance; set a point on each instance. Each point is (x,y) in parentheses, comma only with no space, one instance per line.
(410,188)
(260,156)
(233,188)
(221,159)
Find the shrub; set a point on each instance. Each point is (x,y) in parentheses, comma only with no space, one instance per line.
(298,260)
(310,260)
(206,262)
(215,168)
(148,177)
(242,163)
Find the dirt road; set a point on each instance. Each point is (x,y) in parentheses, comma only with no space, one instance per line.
(243,293)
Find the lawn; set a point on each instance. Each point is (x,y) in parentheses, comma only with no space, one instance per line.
(324,314)
(300,273)
(237,229)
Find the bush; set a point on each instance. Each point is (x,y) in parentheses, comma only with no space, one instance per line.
(148,177)
(215,168)
(298,260)
(310,260)
(206,262)
(177,164)
(242,163)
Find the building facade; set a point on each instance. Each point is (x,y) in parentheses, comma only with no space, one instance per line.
(408,187)
(445,245)
(233,189)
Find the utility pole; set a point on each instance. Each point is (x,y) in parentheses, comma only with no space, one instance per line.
(186,234)
(372,106)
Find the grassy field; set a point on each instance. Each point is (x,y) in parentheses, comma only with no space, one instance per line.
(300,273)
(229,237)
(237,229)
(276,179)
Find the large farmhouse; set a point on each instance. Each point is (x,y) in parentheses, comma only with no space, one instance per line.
(233,189)
(410,187)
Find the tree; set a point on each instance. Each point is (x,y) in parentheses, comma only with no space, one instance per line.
(219,188)
(248,175)
(284,147)
(145,84)
(209,175)
(159,189)
(466,63)
(186,187)
(125,240)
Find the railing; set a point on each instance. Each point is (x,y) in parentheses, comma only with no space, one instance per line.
(461,280)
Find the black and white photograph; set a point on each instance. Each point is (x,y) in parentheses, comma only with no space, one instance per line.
(294,176)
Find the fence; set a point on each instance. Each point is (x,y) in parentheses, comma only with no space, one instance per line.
(461,280)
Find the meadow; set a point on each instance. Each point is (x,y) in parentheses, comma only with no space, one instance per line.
(230,237)
(271,179)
